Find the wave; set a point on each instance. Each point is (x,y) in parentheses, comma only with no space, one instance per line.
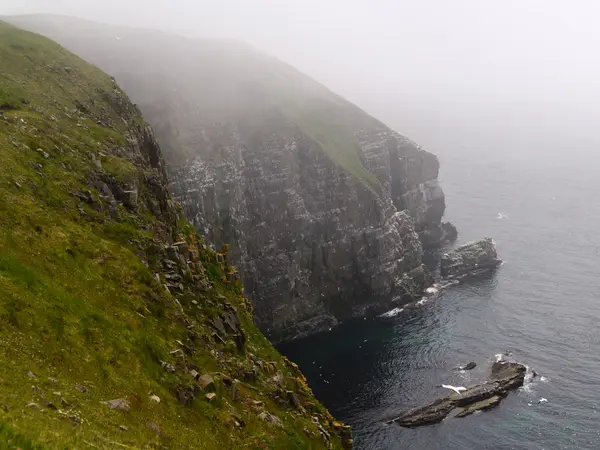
(393,313)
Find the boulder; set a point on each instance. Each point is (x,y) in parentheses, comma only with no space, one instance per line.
(206,382)
(504,377)
(470,259)
(119,404)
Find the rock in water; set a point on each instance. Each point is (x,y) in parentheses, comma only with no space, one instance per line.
(469,366)
(472,258)
(503,378)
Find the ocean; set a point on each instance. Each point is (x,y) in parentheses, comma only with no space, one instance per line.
(542,305)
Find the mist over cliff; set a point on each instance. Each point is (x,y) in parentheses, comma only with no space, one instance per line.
(326,209)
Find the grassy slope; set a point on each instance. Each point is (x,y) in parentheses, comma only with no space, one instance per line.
(79,307)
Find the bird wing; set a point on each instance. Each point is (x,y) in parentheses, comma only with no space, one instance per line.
(454,388)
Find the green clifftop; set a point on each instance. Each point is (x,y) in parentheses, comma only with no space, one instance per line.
(117,323)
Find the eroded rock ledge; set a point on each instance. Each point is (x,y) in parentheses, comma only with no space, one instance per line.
(470,259)
(504,377)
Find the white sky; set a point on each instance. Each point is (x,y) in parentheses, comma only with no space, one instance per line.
(411,63)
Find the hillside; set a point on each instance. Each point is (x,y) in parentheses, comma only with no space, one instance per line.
(119,327)
(326,209)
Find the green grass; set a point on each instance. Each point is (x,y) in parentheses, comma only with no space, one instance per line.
(80,304)
(322,123)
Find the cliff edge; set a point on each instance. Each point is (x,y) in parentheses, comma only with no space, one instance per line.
(326,209)
(119,326)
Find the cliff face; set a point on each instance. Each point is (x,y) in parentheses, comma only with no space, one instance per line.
(326,209)
(119,327)
(315,243)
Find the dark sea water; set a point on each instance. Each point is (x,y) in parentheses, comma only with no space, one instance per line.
(543,304)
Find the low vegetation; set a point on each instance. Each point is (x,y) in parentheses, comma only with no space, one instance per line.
(119,327)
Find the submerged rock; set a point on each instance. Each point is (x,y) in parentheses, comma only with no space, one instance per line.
(469,366)
(472,258)
(504,377)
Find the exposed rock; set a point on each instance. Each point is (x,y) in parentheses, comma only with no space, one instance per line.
(293,399)
(167,366)
(186,394)
(480,406)
(469,366)
(154,399)
(81,388)
(119,404)
(33,405)
(504,377)
(49,404)
(206,382)
(270,418)
(470,259)
(211,396)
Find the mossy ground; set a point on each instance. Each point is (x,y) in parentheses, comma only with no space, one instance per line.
(80,303)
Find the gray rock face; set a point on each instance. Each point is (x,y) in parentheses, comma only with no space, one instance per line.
(326,209)
(315,245)
(472,258)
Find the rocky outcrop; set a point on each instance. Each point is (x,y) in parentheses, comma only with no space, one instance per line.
(504,377)
(470,259)
(326,209)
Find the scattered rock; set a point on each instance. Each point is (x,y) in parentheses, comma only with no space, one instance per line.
(270,418)
(30,374)
(154,399)
(211,396)
(168,367)
(186,394)
(470,259)
(206,382)
(123,427)
(48,404)
(504,377)
(52,380)
(119,404)
(81,388)
(33,405)
(46,155)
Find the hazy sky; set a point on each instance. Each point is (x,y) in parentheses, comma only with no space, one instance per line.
(412,62)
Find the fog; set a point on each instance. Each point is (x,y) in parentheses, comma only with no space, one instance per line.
(497,76)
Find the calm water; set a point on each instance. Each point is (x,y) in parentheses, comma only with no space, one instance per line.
(543,304)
